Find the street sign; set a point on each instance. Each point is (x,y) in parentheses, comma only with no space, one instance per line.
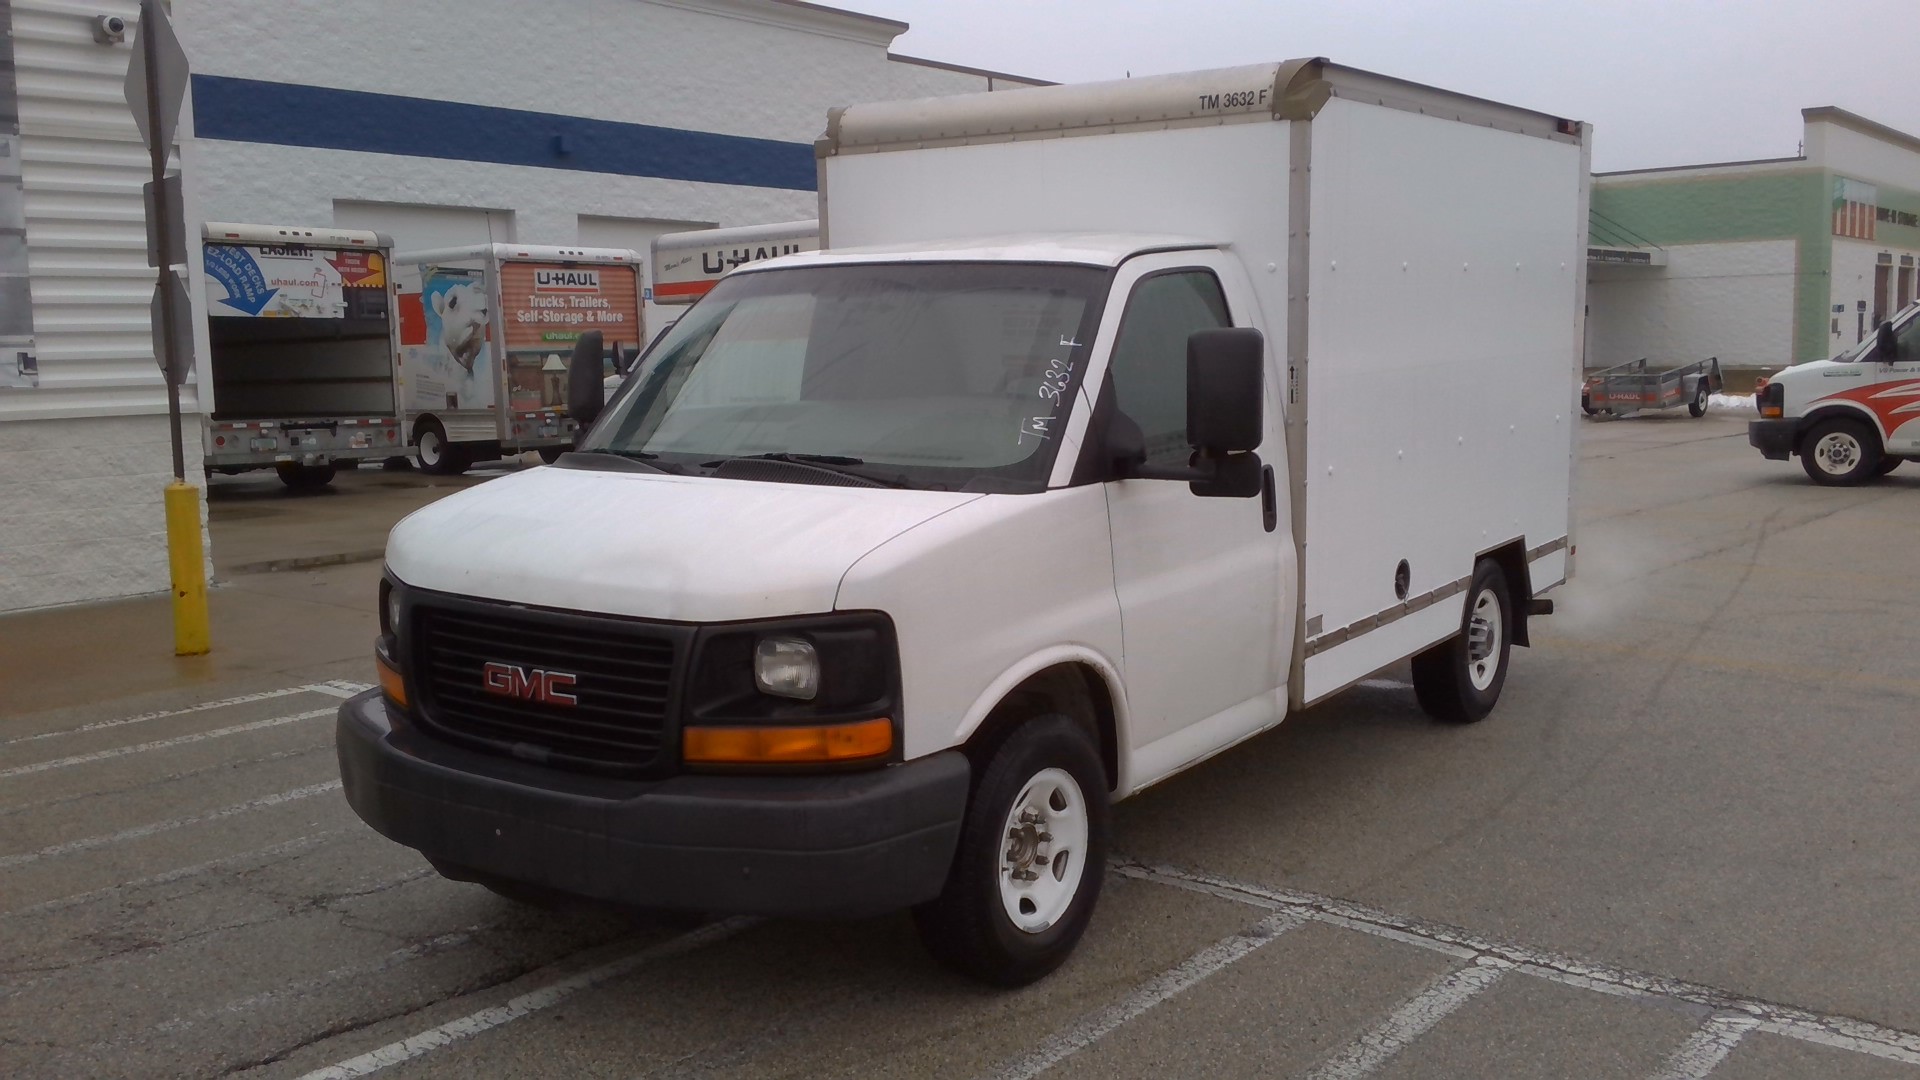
(170,205)
(168,84)
(171,291)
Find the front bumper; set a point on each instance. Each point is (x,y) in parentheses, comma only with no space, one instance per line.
(1775,439)
(844,845)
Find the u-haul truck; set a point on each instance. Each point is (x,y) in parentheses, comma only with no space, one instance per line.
(486,334)
(301,338)
(686,265)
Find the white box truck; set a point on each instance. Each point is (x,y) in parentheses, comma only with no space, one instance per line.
(1112,424)
(1851,419)
(487,333)
(302,350)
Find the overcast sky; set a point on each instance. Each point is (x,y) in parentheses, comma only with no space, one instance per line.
(1664,83)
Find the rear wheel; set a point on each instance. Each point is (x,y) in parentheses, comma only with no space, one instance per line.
(1032,853)
(1840,452)
(437,456)
(304,477)
(1698,406)
(1459,680)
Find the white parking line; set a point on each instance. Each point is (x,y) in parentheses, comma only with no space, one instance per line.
(285,848)
(161,744)
(138,831)
(1090,1029)
(1411,1020)
(546,997)
(1706,1048)
(1840,1032)
(265,695)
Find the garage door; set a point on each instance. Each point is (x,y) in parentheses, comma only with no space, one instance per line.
(416,227)
(633,233)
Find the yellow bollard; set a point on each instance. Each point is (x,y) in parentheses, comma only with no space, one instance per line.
(191,636)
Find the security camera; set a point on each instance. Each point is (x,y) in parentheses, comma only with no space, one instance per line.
(109,29)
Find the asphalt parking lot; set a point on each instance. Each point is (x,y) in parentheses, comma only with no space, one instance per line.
(1686,844)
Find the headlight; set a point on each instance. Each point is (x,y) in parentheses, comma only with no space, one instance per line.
(393,612)
(787,667)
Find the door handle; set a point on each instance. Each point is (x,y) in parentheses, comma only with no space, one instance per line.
(1269,502)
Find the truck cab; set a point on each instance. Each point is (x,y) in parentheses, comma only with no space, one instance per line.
(1852,418)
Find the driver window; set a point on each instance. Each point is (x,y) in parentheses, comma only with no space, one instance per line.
(1909,339)
(1149,366)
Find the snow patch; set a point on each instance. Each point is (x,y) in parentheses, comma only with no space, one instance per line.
(1731,401)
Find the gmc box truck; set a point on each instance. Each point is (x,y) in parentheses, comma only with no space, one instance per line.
(1112,424)
(486,336)
(302,350)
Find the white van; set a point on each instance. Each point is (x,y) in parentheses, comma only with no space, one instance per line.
(1076,457)
(1851,419)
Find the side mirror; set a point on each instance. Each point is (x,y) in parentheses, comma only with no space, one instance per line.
(586,388)
(1225,413)
(1226,383)
(1886,347)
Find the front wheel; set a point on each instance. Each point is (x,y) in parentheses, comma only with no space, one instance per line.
(1459,679)
(1032,853)
(1840,452)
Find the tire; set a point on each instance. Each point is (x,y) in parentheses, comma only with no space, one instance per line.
(1459,680)
(986,923)
(551,454)
(1586,403)
(1840,452)
(1698,406)
(304,477)
(1887,465)
(437,456)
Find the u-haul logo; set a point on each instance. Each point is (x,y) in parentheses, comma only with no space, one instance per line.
(530,684)
(580,281)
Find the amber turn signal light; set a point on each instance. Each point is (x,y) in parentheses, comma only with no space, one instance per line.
(786,745)
(391,683)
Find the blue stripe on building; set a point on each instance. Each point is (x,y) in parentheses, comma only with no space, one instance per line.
(286,114)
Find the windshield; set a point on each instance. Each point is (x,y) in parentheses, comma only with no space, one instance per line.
(946,376)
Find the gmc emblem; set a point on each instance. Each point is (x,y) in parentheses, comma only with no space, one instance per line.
(530,684)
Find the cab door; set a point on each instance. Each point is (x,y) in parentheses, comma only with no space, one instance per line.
(1201,580)
(1895,400)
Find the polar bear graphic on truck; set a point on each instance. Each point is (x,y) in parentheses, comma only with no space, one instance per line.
(463,323)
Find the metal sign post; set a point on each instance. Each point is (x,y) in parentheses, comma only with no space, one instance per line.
(156,86)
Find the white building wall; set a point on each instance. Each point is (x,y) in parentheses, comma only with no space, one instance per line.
(1852,284)
(84,456)
(1861,156)
(1734,301)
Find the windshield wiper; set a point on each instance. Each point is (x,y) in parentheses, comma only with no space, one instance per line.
(649,461)
(837,464)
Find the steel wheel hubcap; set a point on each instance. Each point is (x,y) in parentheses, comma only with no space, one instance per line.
(429,448)
(1045,853)
(1837,452)
(1483,639)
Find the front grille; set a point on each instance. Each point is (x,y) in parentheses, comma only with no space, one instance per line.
(622,680)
